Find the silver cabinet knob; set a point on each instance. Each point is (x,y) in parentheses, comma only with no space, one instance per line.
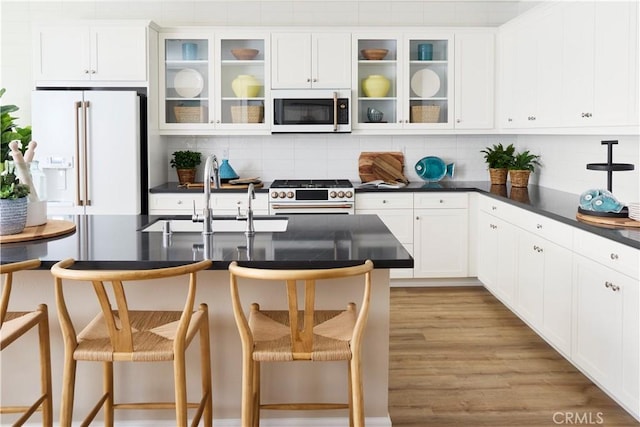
(538,226)
(614,256)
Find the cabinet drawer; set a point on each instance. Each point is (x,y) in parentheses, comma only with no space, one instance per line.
(399,222)
(384,201)
(547,228)
(624,259)
(174,203)
(441,201)
(498,209)
(238,200)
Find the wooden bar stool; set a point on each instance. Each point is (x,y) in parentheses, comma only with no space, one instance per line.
(119,334)
(13,325)
(300,334)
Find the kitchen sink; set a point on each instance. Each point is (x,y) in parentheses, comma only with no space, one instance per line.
(223,224)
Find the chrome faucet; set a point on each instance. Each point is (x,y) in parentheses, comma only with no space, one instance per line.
(211,169)
(248,216)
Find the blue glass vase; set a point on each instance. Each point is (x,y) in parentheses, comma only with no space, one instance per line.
(226,171)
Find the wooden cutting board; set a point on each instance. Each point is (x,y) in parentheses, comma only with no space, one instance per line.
(608,221)
(52,228)
(385,165)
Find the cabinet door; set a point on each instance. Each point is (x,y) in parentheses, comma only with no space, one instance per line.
(526,83)
(440,242)
(601,297)
(497,256)
(474,80)
(62,53)
(186,86)
(507,84)
(290,61)
(557,296)
(530,282)
(119,53)
(331,61)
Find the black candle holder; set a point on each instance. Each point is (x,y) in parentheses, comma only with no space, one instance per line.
(609,167)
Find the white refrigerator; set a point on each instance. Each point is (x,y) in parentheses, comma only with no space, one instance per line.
(89,147)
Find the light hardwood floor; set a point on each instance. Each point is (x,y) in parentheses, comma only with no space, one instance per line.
(458,357)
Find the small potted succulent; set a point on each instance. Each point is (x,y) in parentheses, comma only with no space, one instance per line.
(521,166)
(185,162)
(498,159)
(13,204)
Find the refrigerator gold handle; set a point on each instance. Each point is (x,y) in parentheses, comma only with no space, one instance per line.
(87,200)
(77,105)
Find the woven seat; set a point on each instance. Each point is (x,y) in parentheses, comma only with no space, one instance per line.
(285,335)
(15,324)
(118,334)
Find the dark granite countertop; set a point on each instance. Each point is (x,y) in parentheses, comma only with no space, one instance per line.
(555,204)
(310,241)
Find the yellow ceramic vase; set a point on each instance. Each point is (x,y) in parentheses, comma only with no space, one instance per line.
(246,86)
(376,86)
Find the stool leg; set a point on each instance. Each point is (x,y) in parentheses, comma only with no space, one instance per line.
(68,386)
(180,382)
(357,392)
(205,358)
(350,390)
(247,390)
(107,388)
(256,394)
(45,366)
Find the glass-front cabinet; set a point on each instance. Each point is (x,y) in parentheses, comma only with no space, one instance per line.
(212,81)
(186,81)
(242,88)
(403,81)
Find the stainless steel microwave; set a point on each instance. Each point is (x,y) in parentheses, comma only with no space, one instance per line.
(311,110)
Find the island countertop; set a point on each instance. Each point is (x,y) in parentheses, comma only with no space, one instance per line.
(310,241)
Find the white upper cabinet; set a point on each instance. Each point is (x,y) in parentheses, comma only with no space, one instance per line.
(108,52)
(305,60)
(474,80)
(600,63)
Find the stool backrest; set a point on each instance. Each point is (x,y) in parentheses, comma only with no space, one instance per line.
(110,291)
(6,271)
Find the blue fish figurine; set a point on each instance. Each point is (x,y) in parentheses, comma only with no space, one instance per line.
(606,203)
(587,197)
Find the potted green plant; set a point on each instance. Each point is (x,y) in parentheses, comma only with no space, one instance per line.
(521,166)
(498,159)
(11,132)
(13,204)
(185,162)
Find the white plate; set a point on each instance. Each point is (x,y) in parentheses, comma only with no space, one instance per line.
(425,83)
(188,83)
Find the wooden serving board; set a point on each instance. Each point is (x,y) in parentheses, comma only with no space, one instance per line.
(52,228)
(385,165)
(608,221)
(225,186)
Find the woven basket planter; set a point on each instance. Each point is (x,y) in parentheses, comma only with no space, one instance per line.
(186,176)
(13,216)
(498,176)
(519,178)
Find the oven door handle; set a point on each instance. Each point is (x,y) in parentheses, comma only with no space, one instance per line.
(300,206)
(335,111)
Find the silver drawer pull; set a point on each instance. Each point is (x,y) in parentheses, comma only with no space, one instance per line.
(538,226)
(614,256)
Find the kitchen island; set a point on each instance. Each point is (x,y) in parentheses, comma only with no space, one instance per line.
(118,242)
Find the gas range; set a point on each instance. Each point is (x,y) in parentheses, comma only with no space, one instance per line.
(291,196)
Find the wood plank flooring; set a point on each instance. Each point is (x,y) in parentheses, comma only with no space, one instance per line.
(458,357)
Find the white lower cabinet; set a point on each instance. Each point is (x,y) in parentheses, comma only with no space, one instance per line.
(497,257)
(396,211)
(222,204)
(606,331)
(544,288)
(440,235)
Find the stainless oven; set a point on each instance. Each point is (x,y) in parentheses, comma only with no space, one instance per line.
(311,110)
(323,196)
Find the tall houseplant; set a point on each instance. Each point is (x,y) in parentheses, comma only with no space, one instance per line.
(13,204)
(185,162)
(11,132)
(498,159)
(521,167)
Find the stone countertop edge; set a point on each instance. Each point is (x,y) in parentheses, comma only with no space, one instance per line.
(555,204)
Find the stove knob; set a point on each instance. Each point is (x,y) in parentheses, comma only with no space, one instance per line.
(290,195)
(274,194)
(282,194)
(333,194)
(349,194)
(341,194)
